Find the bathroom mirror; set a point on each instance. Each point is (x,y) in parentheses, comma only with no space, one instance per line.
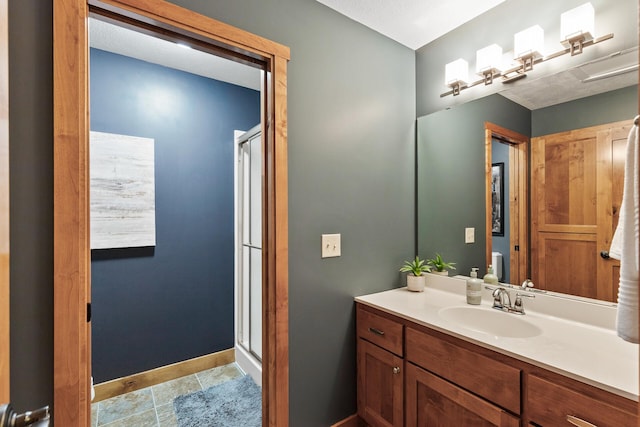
(451,142)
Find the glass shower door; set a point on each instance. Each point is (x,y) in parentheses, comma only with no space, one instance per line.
(250,239)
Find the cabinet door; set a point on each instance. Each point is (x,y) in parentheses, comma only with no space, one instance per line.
(380,386)
(434,402)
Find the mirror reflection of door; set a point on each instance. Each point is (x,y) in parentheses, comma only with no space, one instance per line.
(507,245)
(577,179)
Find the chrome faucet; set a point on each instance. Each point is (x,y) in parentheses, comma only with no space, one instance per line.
(526,285)
(502,301)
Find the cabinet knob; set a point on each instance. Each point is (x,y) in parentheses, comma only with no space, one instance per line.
(578,422)
(396,369)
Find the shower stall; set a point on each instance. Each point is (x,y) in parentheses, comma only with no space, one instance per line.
(248,255)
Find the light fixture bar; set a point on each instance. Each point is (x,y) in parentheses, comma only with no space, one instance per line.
(585,44)
(516,73)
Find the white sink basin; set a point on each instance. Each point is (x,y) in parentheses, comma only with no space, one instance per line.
(488,321)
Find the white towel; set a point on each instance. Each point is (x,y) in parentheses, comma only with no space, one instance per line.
(624,245)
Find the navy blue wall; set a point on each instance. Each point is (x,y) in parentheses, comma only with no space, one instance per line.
(156,306)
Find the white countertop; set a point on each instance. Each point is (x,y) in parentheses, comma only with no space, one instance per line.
(586,349)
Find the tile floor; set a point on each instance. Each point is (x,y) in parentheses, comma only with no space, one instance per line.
(153,406)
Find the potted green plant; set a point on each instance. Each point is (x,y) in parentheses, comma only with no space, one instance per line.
(415,278)
(440,266)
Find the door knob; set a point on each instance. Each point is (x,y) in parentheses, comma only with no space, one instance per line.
(9,417)
(396,370)
(604,254)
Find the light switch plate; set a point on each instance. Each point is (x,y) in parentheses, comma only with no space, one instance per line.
(331,245)
(469,235)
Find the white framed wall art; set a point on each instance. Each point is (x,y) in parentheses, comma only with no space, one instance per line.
(122,191)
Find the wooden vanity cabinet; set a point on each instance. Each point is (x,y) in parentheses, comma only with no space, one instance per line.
(414,376)
(408,377)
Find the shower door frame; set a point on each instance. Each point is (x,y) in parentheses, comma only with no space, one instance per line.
(244,225)
(72,257)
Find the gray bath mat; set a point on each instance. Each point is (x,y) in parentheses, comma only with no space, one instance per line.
(237,402)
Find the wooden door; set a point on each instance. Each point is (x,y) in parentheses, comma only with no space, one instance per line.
(518,199)
(380,386)
(576,192)
(435,402)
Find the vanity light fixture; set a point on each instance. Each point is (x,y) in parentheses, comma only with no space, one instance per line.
(576,33)
(489,62)
(456,75)
(528,46)
(577,27)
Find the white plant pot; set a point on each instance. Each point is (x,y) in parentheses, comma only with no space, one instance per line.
(416,283)
(441,273)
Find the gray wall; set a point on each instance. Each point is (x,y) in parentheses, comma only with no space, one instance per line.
(498,26)
(451,177)
(608,107)
(31,202)
(351,95)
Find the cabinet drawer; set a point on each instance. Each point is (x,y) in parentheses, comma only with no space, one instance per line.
(379,330)
(493,380)
(433,401)
(549,404)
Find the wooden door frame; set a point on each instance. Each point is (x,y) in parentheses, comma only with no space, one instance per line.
(519,210)
(72,256)
(5,372)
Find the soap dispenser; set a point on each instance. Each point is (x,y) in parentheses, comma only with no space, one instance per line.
(490,278)
(474,288)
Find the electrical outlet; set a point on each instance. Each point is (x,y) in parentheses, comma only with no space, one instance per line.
(469,235)
(331,245)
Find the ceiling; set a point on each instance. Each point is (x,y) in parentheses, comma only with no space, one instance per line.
(594,77)
(123,41)
(414,23)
